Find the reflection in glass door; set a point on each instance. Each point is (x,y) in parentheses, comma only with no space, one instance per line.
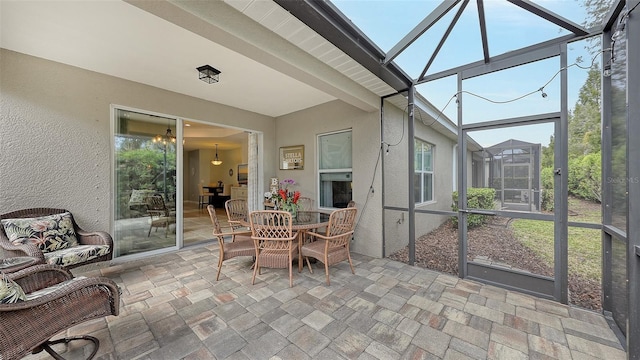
(144,182)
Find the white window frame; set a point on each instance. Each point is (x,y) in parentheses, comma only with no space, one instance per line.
(328,171)
(422,170)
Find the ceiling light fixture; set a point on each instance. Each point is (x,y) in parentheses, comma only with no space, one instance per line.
(216,161)
(208,74)
(166,138)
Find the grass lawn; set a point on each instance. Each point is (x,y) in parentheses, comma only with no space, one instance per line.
(585,246)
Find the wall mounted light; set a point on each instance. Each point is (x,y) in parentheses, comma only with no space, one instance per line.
(208,74)
(216,161)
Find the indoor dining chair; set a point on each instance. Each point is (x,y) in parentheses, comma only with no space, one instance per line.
(333,246)
(241,244)
(275,243)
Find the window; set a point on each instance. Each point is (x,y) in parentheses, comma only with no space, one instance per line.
(423,178)
(334,169)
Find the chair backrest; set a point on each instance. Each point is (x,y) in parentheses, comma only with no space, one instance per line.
(270,224)
(342,221)
(226,190)
(214,220)
(156,203)
(305,203)
(236,209)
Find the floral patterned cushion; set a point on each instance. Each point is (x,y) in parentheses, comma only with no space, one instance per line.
(49,233)
(10,292)
(139,197)
(76,254)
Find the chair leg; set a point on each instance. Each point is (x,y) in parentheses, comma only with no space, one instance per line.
(326,270)
(350,263)
(309,264)
(219,266)
(47,346)
(290,270)
(256,268)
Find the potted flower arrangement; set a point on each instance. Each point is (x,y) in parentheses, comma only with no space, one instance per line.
(284,199)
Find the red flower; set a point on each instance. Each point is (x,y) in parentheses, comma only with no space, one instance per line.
(283,194)
(296,196)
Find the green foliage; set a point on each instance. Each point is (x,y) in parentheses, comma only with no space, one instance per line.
(547,153)
(477,198)
(141,166)
(584,245)
(546,178)
(585,177)
(584,122)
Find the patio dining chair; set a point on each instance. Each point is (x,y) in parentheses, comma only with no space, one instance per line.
(276,245)
(305,203)
(241,243)
(333,246)
(237,211)
(161,216)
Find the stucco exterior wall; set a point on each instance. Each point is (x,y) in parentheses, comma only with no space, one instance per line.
(55,133)
(303,127)
(396,184)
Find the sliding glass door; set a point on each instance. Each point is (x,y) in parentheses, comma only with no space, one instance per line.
(145,182)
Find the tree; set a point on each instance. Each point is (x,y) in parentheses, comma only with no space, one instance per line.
(584,121)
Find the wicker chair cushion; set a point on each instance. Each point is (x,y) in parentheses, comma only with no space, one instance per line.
(316,250)
(239,248)
(10,292)
(49,233)
(77,254)
(52,288)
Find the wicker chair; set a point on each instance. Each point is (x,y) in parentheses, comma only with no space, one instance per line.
(241,244)
(275,242)
(305,203)
(161,216)
(237,212)
(87,241)
(55,301)
(332,247)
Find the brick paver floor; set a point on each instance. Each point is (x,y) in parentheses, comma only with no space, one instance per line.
(172,308)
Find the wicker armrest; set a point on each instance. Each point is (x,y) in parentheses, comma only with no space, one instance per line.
(28,249)
(40,276)
(83,287)
(94,238)
(325,237)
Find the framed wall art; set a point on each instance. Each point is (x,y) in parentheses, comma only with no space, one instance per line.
(292,157)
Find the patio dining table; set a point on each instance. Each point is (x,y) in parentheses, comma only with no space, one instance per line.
(303,221)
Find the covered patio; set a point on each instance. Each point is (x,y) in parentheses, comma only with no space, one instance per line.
(295,74)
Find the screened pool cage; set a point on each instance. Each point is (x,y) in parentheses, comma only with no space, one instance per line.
(512,168)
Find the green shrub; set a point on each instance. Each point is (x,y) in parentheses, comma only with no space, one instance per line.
(477,198)
(584,179)
(546,177)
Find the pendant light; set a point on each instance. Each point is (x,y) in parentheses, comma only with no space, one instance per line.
(216,161)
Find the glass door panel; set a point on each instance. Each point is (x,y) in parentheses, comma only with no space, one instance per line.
(145,182)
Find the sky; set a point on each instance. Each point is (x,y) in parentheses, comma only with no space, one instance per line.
(386,22)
